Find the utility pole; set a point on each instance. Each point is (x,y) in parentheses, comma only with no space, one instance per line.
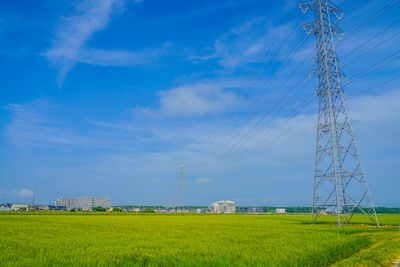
(340,186)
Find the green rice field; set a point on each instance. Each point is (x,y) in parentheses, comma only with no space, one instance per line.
(194,240)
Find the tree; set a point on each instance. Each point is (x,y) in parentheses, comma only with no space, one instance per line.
(98,208)
(117,209)
(149,210)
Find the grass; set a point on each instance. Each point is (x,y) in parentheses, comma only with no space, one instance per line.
(193,240)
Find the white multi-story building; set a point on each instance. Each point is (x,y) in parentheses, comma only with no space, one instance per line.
(223,206)
(84,203)
(280,211)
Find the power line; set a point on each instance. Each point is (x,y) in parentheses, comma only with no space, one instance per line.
(267,84)
(374,87)
(351,37)
(369,89)
(373,66)
(261,140)
(268,65)
(372,38)
(292,135)
(276,90)
(250,102)
(377,15)
(257,143)
(373,48)
(362,73)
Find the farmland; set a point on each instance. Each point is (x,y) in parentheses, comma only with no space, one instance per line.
(194,240)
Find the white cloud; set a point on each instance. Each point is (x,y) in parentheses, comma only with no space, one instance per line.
(199,99)
(205,180)
(8,195)
(42,123)
(23,193)
(381,108)
(150,151)
(192,100)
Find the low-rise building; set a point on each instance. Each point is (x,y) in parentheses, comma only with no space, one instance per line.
(19,207)
(84,203)
(42,208)
(223,206)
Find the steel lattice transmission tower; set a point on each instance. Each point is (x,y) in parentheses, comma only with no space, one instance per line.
(181,176)
(340,186)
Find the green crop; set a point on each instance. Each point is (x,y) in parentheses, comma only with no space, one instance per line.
(194,240)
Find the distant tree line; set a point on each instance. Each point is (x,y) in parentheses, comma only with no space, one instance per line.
(387,210)
(305,209)
(99,209)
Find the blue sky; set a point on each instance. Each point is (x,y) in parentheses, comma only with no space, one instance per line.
(109,97)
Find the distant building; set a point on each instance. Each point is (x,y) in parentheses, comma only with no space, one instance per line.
(84,203)
(42,207)
(280,211)
(4,208)
(19,207)
(223,206)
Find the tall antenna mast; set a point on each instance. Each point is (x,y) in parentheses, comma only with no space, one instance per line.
(33,198)
(181,176)
(166,199)
(340,186)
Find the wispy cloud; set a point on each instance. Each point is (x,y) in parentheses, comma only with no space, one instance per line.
(73,33)
(245,44)
(33,123)
(197,12)
(118,58)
